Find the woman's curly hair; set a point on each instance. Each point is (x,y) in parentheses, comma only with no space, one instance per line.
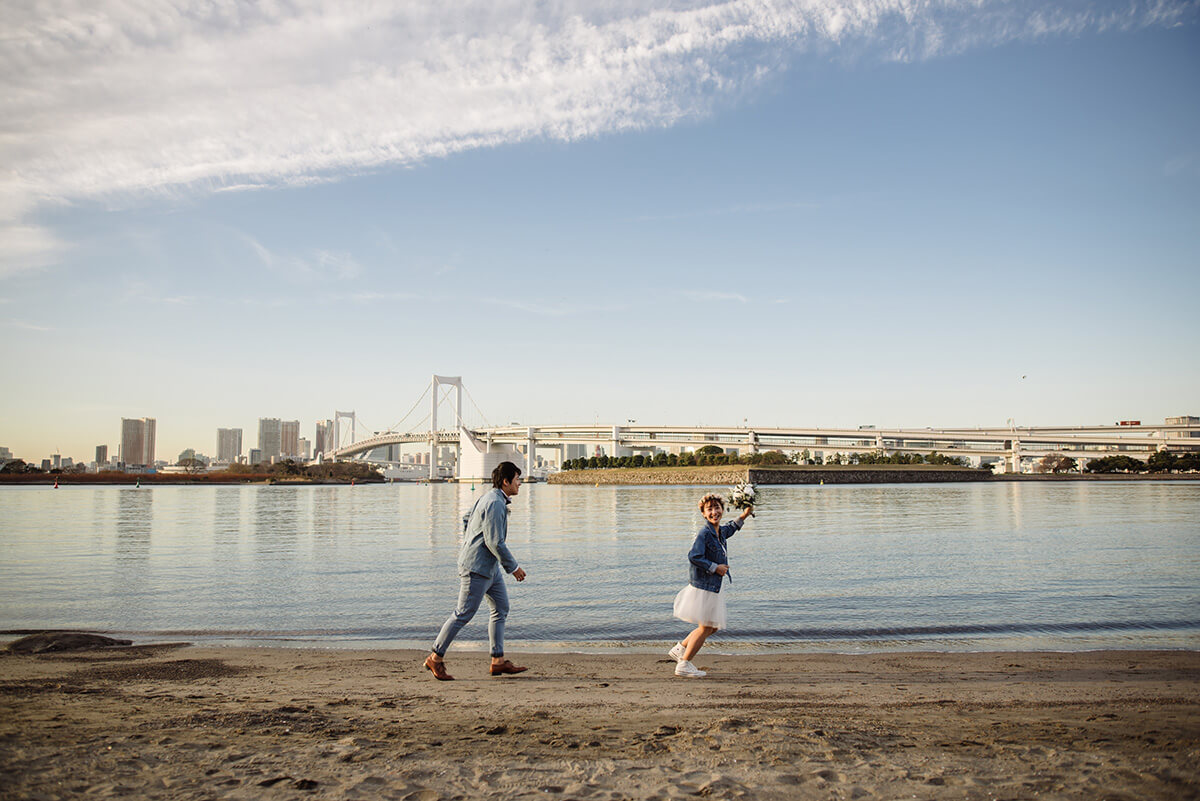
(711,498)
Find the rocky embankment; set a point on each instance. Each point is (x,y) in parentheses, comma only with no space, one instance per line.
(790,474)
(723,474)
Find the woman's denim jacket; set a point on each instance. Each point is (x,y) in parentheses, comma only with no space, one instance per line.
(708,551)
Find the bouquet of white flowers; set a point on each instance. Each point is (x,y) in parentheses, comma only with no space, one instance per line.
(742,496)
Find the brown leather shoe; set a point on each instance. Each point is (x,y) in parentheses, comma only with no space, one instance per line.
(438,669)
(507,667)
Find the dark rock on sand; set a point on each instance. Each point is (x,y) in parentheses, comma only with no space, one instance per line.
(63,641)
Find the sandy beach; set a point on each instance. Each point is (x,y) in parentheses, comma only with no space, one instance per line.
(189,722)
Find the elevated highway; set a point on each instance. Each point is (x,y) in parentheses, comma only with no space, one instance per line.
(480,447)
(1011,444)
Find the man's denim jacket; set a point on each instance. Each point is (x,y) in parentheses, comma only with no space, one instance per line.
(708,551)
(484,531)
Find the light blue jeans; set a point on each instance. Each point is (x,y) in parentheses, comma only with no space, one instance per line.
(471,593)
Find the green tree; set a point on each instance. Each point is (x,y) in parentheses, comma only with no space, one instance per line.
(191,465)
(769,458)
(1116,464)
(1162,462)
(1054,463)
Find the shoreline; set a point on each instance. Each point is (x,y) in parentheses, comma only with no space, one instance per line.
(825,474)
(1014,643)
(793,475)
(185,722)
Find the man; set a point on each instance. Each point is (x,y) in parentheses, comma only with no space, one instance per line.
(480,562)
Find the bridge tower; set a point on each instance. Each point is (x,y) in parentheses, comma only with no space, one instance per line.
(456,382)
(337,428)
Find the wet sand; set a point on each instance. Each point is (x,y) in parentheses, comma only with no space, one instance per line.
(189,722)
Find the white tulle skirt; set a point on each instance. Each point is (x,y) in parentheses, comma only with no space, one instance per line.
(701,607)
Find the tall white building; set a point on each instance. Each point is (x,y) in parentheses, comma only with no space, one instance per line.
(270,434)
(137,442)
(229,445)
(323,441)
(289,439)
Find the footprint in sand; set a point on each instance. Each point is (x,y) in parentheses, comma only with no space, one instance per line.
(421,795)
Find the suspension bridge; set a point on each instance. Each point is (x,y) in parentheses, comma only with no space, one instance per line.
(454,449)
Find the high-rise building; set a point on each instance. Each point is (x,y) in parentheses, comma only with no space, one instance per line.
(137,442)
(270,433)
(305,449)
(289,439)
(229,445)
(255,456)
(101,456)
(323,441)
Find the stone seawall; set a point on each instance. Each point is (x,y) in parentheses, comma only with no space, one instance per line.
(866,474)
(737,474)
(731,474)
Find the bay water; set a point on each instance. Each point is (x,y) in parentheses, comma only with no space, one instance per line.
(947,567)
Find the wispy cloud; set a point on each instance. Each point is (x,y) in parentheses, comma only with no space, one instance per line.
(529,307)
(747,208)
(28,326)
(702,296)
(320,265)
(1186,165)
(137,291)
(374,297)
(26,247)
(104,99)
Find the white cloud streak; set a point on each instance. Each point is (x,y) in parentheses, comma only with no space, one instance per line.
(29,326)
(108,99)
(700,296)
(321,266)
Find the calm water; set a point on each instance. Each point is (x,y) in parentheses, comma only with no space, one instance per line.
(839,568)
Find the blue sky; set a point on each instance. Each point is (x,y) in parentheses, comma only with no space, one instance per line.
(825,213)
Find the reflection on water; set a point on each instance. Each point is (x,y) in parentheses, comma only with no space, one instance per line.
(970,566)
(135,519)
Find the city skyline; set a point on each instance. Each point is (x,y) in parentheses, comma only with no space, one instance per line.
(835,214)
(229,448)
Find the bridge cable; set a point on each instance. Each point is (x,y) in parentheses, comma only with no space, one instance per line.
(418,425)
(410,411)
(476,405)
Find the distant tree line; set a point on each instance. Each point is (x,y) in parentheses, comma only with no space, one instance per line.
(715,455)
(1160,462)
(290,468)
(19,466)
(287,468)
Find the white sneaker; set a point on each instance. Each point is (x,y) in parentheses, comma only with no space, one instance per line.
(686,668)
(676,653)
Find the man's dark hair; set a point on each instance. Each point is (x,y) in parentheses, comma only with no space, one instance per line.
(505,471)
